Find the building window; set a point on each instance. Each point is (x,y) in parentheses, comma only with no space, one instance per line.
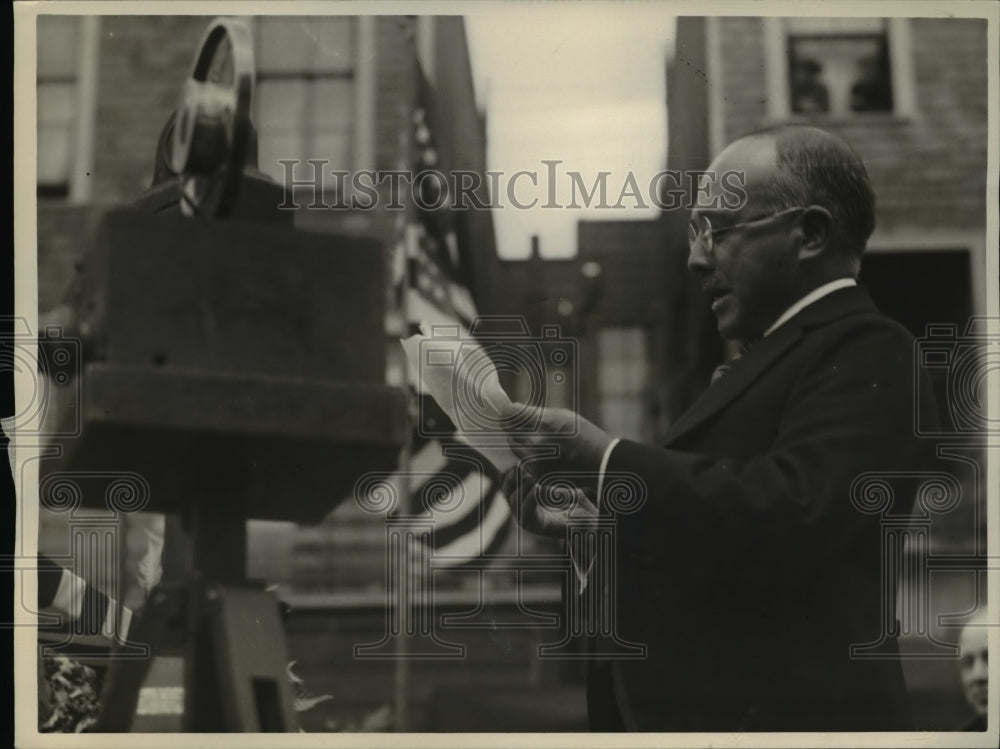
(305,97)
(623,371)
(838,67)
(58,105)
(66,88)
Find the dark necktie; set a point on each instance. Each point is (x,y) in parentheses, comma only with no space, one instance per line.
(720,371)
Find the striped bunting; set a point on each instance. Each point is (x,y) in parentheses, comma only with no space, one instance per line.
(470,513)
(86,609)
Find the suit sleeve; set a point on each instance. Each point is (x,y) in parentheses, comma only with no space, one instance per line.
(850,411)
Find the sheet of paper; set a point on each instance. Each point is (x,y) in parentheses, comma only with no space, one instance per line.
(463,381)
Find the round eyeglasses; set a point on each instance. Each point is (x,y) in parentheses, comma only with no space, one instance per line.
(701,235)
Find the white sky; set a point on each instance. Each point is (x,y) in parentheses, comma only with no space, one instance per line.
(583,83)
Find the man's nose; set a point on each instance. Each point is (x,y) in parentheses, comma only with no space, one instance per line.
(698,260)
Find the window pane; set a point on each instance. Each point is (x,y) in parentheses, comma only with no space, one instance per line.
(871,88)
(623,361)
(53,155)
(839,74)
(335,148)
(807,82)
(306,116)
(282,146)
(622,379)
(56,104)
(621,376)
(57,46)
(280,106)
(314,116)
(333,40)
(624,417)
(333,104)
(332,147)
(280,45)
(306,44)
(56,118)
(619,342)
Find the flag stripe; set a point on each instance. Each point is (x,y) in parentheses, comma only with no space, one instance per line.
(420,308)
(474,543)
(451,525)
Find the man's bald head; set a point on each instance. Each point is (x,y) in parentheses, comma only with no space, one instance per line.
(814,167)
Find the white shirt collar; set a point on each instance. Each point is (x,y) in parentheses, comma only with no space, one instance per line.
(813,296)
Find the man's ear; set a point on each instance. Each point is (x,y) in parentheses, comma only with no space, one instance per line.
(816,227)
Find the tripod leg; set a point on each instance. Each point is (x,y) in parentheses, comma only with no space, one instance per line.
(159,623)
(241,641)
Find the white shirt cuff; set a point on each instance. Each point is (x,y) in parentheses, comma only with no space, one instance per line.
(604,467)
(581,574)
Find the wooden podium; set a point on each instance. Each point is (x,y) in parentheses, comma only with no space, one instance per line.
(236,367)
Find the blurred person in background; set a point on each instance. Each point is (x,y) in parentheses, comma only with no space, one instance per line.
(974,669)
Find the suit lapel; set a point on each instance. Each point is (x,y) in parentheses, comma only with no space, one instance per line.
(739,377)
(766,353)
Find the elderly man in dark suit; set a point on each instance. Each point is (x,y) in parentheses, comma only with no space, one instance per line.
(748,573)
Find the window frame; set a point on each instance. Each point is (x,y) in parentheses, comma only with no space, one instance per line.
(360,148)
(81,135)
(610,394)
(779,103)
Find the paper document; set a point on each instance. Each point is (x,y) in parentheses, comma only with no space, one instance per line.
(463,381)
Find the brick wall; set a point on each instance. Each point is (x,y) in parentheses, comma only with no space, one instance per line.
(64,234)
(933,172)
(742,75)
(143,64)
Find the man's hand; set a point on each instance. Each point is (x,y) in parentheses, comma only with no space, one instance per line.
(542,508)
(581,444)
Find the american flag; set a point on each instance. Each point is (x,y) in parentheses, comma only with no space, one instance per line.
(471,518)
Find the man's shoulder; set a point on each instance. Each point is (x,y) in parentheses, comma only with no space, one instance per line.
(867,343)
(865,326)
(850,307)
(859,326)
